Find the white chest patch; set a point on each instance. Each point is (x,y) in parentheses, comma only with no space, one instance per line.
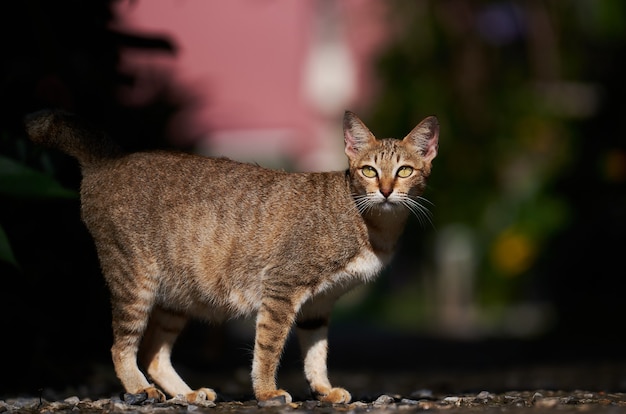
(361,269)
(365,265)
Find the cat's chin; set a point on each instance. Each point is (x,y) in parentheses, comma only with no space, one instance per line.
(389,206)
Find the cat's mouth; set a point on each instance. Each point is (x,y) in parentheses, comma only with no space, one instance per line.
(387,204)
(379,203)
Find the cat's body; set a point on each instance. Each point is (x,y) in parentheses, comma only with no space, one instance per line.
(181,236)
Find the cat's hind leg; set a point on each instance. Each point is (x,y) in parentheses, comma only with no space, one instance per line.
(313,337)
(155,354)
(131,307)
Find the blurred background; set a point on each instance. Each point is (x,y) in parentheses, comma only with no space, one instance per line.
(523,260)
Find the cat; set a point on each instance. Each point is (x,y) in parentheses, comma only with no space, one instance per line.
(183,236)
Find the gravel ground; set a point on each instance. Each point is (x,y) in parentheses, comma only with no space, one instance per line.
(421,400)
(496,390)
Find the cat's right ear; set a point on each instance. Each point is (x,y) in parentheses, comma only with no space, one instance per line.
(425,137)
(356,136)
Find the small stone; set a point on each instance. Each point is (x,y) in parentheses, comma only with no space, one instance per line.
(118,406)
(57,406)
(384,400)
(101,404)
(273,402)
(310,404)
(135,399)
(205,404)
(427,405)
(179,399)
(422,394)
(72,400)
(484,395)
(547,402)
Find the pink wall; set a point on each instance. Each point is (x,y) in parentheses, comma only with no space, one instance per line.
(273,76)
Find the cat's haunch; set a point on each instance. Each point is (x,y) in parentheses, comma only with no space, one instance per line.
(182,236)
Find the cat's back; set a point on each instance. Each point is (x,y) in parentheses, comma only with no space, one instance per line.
(164,177)
(144,190)
(159,176)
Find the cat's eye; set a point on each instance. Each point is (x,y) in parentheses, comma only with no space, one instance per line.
(404,171)
(369,172)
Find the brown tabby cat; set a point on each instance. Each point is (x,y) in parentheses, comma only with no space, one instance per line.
(182,236)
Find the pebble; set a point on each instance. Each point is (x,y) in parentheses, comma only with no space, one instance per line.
(384,400)
(484,395)
(273,402)
(72,400)
(422,394)
(310,404)
(547,402)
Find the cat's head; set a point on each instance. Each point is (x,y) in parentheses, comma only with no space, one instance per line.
(390,174)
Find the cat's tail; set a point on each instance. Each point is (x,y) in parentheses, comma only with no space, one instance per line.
(70,134)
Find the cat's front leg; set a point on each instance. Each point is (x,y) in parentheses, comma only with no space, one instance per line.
(273,324)
(313,338)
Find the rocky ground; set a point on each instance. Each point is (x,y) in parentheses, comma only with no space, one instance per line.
(560,388)
(420,400)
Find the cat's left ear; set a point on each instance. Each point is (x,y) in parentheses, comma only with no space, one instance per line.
(355,134)
(425,137)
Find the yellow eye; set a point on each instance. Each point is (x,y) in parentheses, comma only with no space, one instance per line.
(369,172)
(405,171)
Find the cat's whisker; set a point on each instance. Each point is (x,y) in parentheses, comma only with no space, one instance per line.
(358,202)
(421,212)
(420,198)
(416,212)
(363,202)
(418,201)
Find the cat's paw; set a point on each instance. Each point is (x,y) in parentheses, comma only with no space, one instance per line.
(333,395)
(277,394)
(154,393)
(200,395)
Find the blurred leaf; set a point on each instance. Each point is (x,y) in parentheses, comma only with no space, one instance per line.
(18,180)
(6,253)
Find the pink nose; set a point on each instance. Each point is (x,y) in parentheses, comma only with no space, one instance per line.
(386,192)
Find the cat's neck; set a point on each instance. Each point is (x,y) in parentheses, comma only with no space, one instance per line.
(384,229)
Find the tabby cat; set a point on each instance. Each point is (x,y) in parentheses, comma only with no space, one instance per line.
(181,236)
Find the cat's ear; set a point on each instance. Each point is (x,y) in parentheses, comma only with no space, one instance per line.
(355,134)
(425,137)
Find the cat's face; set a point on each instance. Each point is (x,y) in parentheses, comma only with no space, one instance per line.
(390,174)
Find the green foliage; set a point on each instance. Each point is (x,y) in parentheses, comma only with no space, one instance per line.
(20,181)
(6,253)
(510,85)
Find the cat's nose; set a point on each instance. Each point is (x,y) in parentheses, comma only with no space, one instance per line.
(385,192)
